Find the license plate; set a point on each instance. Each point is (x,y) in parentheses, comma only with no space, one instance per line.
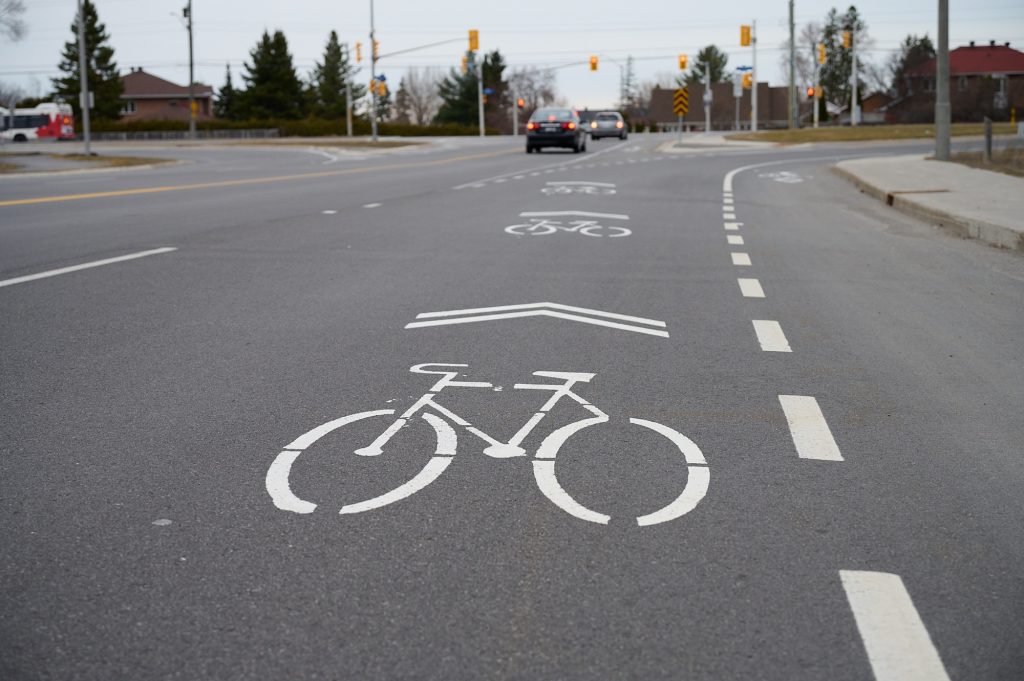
(550,128)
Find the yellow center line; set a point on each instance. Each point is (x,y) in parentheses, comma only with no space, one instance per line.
(239,183)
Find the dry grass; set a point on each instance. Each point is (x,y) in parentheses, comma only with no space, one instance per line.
(1008,161)
(865,133)
(93,161)
(8,167)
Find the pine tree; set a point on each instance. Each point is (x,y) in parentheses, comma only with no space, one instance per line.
(402,104)
(101,70)
(496,110)
(458,93)
(329,77)
(226,104)
(835,72)
(712,56)
(273,90)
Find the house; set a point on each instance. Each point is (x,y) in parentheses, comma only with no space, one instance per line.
(772,107)
(150,98)
(984,80)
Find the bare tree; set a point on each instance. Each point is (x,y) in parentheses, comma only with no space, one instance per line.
(536,87)
(10,95)
(421,93)
(665,80)
(806,54)
(11,23)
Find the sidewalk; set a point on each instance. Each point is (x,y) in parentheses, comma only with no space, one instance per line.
(977,204)
(696,142)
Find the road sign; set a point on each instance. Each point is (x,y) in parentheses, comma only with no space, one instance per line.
(681,101)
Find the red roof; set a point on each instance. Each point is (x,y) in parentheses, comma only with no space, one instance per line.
(977,60)
(141,85)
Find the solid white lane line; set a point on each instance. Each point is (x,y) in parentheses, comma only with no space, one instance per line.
(371,205)
(85,266)
(897,643)
(733,225)
(751,288)
(742,259)
(811,435)
(734,239)
(770,336)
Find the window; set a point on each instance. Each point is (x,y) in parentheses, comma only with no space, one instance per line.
(961,83)
(929,85)
(128,107)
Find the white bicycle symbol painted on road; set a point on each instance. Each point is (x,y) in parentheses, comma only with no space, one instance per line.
(567,188)
(441,420)
(544,227)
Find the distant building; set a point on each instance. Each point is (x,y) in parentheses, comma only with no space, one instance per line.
(150,98)
(984,80)
(772,107)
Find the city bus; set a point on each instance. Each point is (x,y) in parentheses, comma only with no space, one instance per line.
(48,120)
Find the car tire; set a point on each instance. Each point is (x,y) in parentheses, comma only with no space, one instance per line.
(20,138)
(623,137)
(529,149)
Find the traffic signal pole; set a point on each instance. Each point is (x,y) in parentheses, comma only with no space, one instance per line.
(191,77)
(753,76)
(83,80)
(480,92)
(373,77)
(942,110)
(854,109)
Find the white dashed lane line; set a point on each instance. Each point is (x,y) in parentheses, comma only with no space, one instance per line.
(733,226)
(330,212)
(897,643)
(734,239)
(808,428)
(371,205)
(85,266)
(740,259)
(751,288)
(770,336)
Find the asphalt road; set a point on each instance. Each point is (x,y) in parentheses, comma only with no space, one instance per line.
(170,502)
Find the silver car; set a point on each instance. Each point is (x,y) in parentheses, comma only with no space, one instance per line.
(608,124)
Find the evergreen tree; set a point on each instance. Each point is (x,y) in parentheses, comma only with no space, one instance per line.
(328,80)
(711,57)
(273,90)
(913,52)
(101,70)
(227,99)
(835,72)
(403,107)
(384,103)
(458,93)
(496,109)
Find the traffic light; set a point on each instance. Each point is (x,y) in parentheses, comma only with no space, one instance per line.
(593,62)
(810,93)
(682,62)
(376,49)
(847,39)
(359,52)
(521,103)
(821,53)
(745,35)
(474,40)
(382,89)
(748,81)
(465,64)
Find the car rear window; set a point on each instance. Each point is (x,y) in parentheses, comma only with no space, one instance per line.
(551,115)
(607,117)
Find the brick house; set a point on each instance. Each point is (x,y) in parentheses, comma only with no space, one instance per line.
(150,98)
(984,80)
(772,107)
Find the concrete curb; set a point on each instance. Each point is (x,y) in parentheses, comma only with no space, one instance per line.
(88,171)
(993,234)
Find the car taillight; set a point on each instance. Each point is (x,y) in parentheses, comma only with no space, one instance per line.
(618,124)
(67,120)
(531,126)
(568,126)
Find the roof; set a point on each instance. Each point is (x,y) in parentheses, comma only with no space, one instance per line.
(977,60)
(141,85)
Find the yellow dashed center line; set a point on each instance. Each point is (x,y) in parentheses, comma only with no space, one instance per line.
(242,183)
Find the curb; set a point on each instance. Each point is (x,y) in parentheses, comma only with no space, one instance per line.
(85,171)
(990,233)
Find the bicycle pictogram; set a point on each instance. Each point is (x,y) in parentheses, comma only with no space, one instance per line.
(443,420)
(545,227)
(589,189)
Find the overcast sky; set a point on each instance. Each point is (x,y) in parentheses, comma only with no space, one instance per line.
(149,33)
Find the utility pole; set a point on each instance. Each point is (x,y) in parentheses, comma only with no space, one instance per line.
(817,91)
(707,97)
(480,92)
(942,114)
(373,78)
(83,80)
(515,114)
(348,106)
(793,111)
(191,75)
(753,76)
(854,109)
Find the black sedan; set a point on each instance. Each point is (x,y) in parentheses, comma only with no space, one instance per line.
(555,128)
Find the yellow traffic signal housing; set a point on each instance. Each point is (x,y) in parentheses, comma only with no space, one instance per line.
(382,89)
(682,62)
(821,53)
(745,35)
(359,52)
(465,64)
(810,93)
(593,62)
(474,40)
(521,103)
(748,81)
(847,39)
(376,49)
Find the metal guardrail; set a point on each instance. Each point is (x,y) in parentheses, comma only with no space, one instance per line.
(256,133)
